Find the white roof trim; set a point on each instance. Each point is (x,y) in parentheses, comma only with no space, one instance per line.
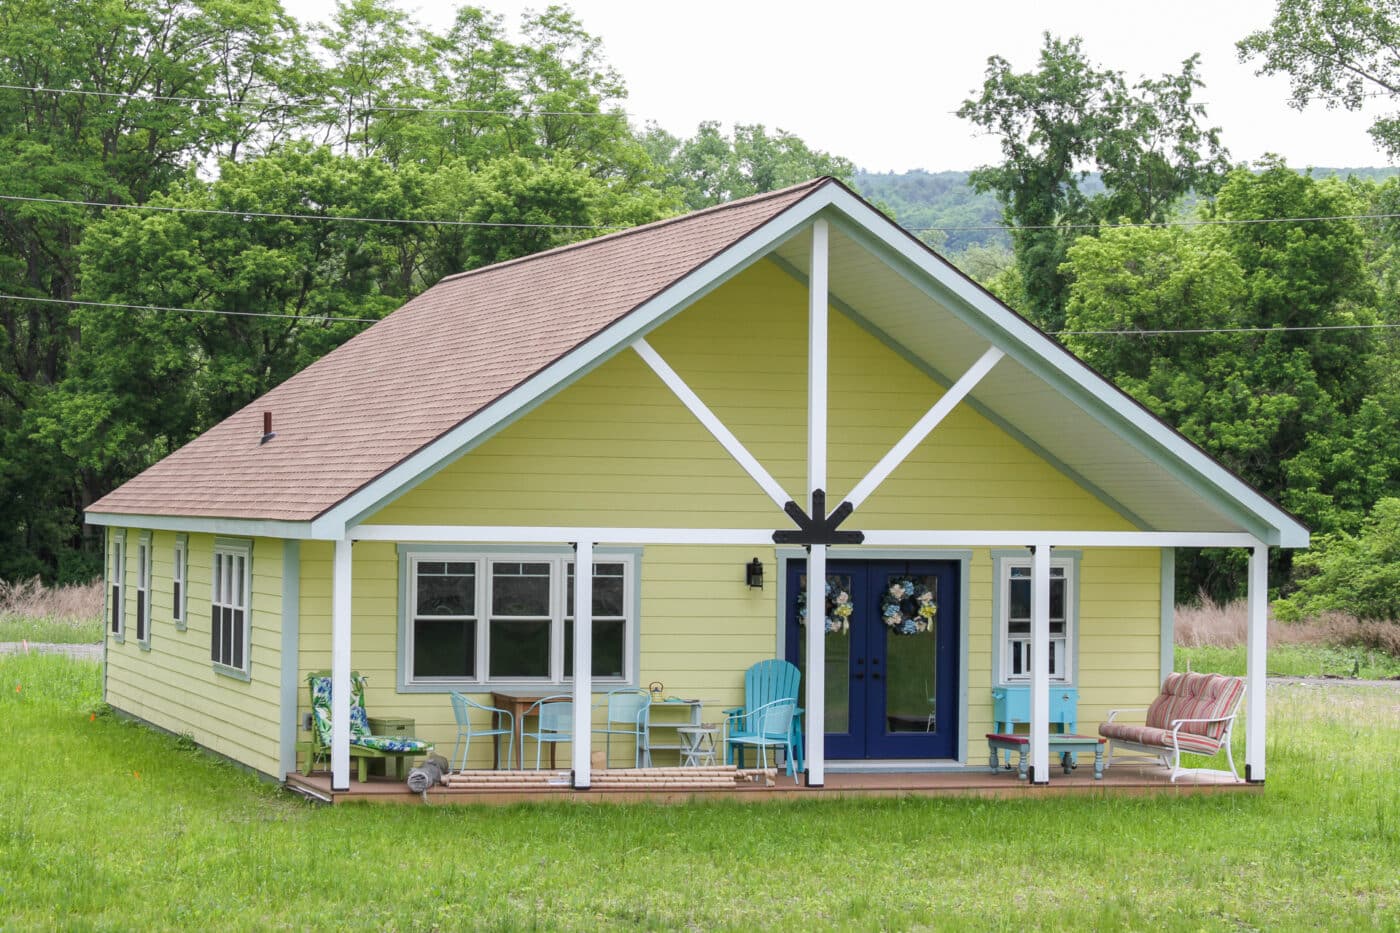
(237,527)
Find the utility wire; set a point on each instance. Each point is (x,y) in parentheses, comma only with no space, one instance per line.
(1062,333)
(281,216)
(491,223)
(111,304)
(311,101)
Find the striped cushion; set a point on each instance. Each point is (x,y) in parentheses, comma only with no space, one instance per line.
(1196,696)
(1159,738)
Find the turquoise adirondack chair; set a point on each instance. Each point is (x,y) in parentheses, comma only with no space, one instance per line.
(764,684)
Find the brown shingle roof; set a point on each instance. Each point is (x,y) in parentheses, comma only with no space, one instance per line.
(421,371)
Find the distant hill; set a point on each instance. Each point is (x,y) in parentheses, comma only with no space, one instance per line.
(920,199)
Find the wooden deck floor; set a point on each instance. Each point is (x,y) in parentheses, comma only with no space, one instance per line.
(1122,779)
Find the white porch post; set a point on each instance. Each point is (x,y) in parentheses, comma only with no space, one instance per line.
(583,664)
(340,665)
(1040,665)
(1256,647)
(815,714)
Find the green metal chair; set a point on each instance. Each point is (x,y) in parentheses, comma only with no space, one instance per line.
(765,682)
(767,726)
(502,724)
(627,711)
(363,745)
(556,724)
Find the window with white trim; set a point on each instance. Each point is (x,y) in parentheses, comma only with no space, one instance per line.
(508,618)
(229,602)
(1014,624)
(143,589)
(178,575)
(118,585)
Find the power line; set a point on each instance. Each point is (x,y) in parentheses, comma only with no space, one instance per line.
(281,216)
(112,304)
(1061,333)
(492,223)
(311,101)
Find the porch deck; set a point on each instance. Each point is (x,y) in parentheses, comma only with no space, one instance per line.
(1123,779)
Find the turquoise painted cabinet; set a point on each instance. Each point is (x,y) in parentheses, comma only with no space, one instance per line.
(1011,705)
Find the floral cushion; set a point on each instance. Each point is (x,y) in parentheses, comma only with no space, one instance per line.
(359,721)
(388,743)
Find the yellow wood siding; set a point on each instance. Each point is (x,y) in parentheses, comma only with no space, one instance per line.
(617,449)
(173,685)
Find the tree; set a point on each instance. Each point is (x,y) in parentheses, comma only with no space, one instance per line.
(1357,574)
(1068,116)
(1338,52)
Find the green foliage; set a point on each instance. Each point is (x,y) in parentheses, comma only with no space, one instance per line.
(1146,140)
(920,199)
(1339,52)
(173,838)
(1339,661)
(1357,574)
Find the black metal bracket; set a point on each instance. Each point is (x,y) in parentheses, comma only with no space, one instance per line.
(819,528)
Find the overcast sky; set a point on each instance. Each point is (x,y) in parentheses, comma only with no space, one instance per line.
(878,81)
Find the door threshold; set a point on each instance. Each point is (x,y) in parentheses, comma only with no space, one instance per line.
(893,765)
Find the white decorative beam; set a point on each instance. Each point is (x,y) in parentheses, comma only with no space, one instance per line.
(712,423)
(975,538)
(815,712)
(583,664)
(341,590)
(1256,662)
(817,300)
(921,429)
(1040,665)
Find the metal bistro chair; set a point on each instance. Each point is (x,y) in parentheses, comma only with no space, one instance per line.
(556,724)
(768,726)
(502,723)
(628,709)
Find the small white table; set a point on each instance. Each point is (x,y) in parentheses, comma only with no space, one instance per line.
(699,745)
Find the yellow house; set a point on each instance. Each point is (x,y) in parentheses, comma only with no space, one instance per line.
(716,413)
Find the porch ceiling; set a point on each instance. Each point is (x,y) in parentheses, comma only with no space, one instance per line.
(1104,449)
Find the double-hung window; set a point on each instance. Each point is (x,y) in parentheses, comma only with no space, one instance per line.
(118,585)
(1014,619)
(143,589)
(228,607)
(493,618)
(178,575)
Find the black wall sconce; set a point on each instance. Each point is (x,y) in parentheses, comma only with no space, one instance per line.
(753,574)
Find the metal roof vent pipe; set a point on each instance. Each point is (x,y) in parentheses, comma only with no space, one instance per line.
(267,428)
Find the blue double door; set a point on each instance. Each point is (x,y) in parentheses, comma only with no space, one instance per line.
(891,633)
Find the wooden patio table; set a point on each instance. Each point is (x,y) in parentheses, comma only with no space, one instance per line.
(517,702)
(1063,745)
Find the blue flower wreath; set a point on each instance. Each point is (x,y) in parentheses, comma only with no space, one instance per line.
(839,608)
(908,608)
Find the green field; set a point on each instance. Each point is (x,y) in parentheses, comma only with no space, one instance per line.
(109,825)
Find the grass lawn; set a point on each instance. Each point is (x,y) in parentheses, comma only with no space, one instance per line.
(60,631)
(1295,661)
(105,824)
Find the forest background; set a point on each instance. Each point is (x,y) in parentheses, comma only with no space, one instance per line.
(198,199)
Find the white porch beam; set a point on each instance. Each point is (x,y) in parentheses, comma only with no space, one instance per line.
(1040,665)
(529,534)
(340,664)
(815,713)
(583,664)
(1256,662)
(706,417)
(922,428)
(1138,539)
(817,300)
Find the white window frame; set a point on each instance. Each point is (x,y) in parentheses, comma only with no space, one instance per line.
(231,589)
(116,590)
(180,583)
(1067,645)
(145,568)
(484,560)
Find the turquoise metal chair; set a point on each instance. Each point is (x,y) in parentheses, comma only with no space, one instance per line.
(556,723)
(767,726)
(764,683)
(628,709)
(502,723)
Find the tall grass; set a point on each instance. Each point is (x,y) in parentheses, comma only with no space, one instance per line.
(108,825)
(31,611)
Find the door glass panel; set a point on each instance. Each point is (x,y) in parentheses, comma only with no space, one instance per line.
(909,613)
(839,617)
